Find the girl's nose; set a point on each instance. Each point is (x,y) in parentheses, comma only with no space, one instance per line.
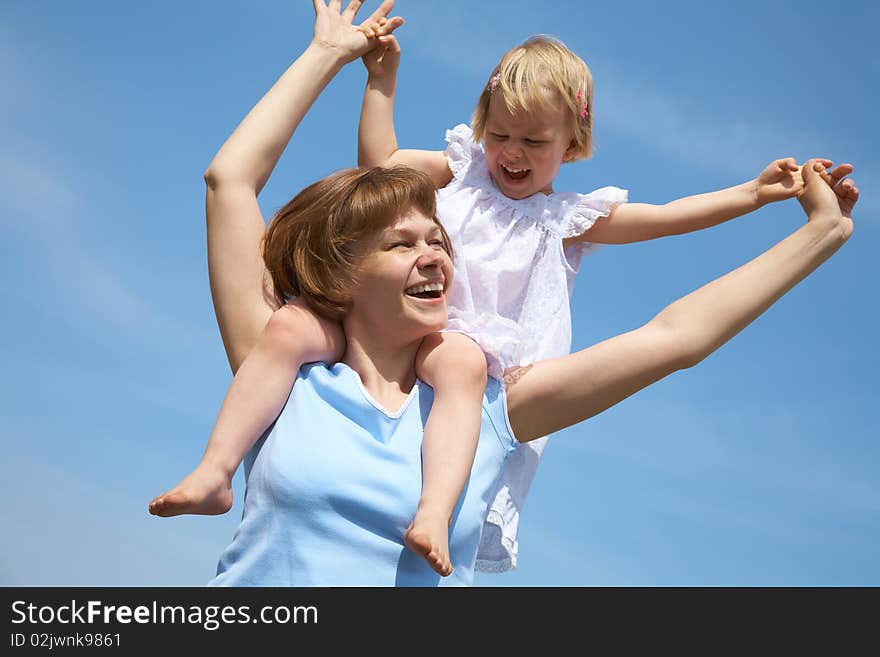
(512,150)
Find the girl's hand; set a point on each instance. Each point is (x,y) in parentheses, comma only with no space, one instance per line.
(781,180)
(383,60)
(334,29)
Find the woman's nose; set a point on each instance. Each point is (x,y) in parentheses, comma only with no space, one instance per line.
(429,256)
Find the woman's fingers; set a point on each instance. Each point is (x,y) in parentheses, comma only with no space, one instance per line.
(352,10)
(381,12)
(837,174)
(840,172)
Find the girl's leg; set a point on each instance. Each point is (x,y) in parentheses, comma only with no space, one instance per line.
(558,393)
(455,367)
(294,335)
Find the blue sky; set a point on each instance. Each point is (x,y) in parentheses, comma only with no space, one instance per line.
(758,467)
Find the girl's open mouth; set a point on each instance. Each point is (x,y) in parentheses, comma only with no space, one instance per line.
(512,173)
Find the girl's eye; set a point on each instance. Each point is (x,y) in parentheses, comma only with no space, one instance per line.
(498,137)
(534,142)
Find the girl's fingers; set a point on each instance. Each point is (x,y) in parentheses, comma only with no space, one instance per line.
(389,41)
(388,26)
(820,167)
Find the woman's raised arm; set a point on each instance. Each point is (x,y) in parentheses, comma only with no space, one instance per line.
(240,287)
(558,393)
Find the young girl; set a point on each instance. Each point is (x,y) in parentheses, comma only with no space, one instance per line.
(518,242)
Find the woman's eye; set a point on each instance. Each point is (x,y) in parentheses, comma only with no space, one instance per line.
(400,245)
(437,243)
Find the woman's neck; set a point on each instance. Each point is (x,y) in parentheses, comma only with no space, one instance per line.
(387,370)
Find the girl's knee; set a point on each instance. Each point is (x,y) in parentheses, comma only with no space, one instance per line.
(451,358)
(297,328)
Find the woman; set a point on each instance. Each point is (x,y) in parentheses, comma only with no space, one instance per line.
(331,485)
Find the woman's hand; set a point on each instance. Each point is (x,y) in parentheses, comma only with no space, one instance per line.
(334,28)
(820,203)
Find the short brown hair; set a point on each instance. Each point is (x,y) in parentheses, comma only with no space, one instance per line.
(536,75)
(315,243)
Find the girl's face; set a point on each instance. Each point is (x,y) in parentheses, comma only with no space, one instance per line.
(524,151)
(403,281)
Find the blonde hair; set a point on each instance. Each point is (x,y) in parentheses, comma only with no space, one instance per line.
(535,76)
(314,245)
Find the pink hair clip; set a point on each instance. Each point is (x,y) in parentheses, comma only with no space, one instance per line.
(584,111)
(494,81)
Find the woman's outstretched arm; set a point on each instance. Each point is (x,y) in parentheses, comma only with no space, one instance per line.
(240,288)
(554,394)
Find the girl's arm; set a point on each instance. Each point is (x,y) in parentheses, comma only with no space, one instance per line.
(240,287)
(377,140)
(637,222)
(558,393)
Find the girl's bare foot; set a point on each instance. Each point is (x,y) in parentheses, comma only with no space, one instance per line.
(206,490)
(428,536)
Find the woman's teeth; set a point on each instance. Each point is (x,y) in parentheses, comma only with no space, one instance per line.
(428,290)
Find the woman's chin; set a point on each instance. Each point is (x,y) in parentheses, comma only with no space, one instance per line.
(432,325)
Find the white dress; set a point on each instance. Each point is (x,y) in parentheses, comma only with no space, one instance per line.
(511,290)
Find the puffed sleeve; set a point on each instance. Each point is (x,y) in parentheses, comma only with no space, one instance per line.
(461,149)
(580,216)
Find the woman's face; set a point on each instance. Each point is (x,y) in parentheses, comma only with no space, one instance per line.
(403,281)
